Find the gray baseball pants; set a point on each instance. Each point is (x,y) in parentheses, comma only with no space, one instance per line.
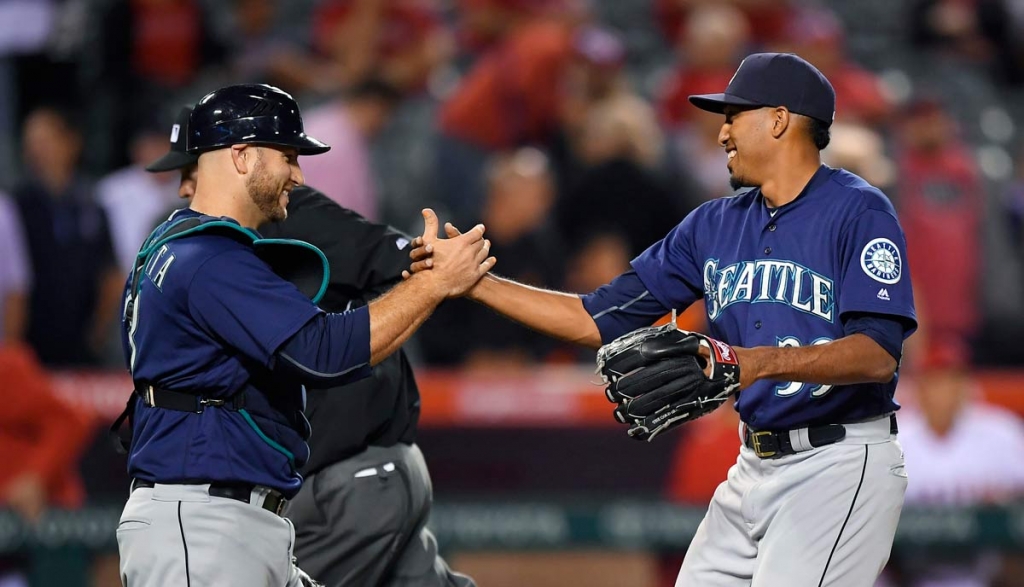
(362,522)
(178,535)
(823,517)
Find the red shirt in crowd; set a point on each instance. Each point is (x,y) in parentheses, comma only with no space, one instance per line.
(511,95)
(39,433)
(940,202)
(167,40)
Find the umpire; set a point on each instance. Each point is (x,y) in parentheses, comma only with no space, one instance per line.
(360,517)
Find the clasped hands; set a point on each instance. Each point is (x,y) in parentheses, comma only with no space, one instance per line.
(457,262)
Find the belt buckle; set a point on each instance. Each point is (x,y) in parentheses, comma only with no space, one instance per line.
(755,438)
(281,502)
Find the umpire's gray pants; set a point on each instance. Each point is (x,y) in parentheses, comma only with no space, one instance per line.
(178,535)
(362,523)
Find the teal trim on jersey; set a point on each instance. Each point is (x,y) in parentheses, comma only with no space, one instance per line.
(267,439)
(297,243)
(255,240)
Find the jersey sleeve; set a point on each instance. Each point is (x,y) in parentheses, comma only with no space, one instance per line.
(670,268)
(236,298)
(622,306)
(873,263)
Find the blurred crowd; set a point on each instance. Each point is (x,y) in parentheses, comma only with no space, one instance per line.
(563,125)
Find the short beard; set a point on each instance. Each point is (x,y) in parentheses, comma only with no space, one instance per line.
(736,183)
(263,193)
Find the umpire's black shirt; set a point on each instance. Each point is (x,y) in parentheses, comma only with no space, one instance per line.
(366,259)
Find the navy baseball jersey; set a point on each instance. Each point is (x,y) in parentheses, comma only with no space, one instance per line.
(788,277)
(209,317)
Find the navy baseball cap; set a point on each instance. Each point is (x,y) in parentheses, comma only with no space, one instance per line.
(176,158)
(775,79)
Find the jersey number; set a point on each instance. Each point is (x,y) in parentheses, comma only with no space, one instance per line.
(794,387)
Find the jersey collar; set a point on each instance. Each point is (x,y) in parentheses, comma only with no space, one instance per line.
(810,192)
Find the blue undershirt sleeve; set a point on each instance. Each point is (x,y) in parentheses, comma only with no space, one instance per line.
(622,306)
(888,331)
(329,350)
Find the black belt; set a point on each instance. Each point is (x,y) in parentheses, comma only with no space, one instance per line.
(155,397)
(273,501)
(769,444)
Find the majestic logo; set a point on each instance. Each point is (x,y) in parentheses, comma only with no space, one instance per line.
(782,282)
(880,259)
(883,294)
(401,242)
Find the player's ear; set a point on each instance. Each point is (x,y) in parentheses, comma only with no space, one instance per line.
(781,119)
(241,156)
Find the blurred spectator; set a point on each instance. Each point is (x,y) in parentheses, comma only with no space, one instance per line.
(349,125)
(817,35)
(593,74)
(767,18)
(940,200)
(860,150)
(520,195)
(401,41)
(15,279)
(959,452)
(1013,204)
(708,49)
(25,26)
(142,51)
(76,284)
(259,51)
(510,98)
(697,154)
(981,32)
(598,259)
(41,439)
(134,200)
(619,191)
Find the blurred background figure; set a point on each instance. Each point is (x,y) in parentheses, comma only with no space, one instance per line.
(41,439)
(349,124)
(140,53)
(15,274)
(76,285)
(134,200)
(402,42)
(510,97)
(959,451)
(817,35)
(861,150)
(982,33)
(520,193)
(939,198)
(709,45)
(619,148)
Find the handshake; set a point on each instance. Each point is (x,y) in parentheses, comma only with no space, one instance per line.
(454,264)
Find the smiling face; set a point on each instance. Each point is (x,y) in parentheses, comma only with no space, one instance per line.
(748,142)
(275,172)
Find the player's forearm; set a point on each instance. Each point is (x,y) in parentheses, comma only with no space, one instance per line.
(556,314)
(396,315)
(851,359)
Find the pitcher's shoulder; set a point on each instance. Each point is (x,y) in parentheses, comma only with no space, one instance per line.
(859,195)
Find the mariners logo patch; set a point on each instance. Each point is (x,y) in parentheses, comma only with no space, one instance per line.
(880,259)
